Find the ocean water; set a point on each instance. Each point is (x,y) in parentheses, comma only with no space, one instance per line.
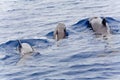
(81,56)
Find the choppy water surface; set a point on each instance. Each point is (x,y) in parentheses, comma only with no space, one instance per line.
(81,56)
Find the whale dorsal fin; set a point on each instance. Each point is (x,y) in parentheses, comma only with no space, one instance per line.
(104,22)
(19,43)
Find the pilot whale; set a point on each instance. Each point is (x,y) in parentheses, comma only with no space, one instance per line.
(99,26)
(60,32)
(24,48)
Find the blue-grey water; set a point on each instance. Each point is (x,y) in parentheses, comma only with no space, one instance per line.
(81,56)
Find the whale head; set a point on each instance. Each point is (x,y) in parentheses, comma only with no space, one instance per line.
(60,32)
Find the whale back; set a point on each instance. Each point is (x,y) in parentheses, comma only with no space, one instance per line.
(24,48)
(99,26)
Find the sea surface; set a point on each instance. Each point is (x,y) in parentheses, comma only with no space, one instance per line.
(80,56)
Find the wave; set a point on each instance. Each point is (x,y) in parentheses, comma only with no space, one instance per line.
(84,24)
(50,34)
(9,49)
(32,42)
